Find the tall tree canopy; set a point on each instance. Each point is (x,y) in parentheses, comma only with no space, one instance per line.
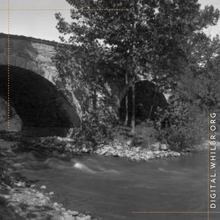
(147,38)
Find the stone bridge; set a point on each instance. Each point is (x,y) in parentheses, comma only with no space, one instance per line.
(35,100)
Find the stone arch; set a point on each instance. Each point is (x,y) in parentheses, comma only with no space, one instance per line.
(145,98)
(39,104)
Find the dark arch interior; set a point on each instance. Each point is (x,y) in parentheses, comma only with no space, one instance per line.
(145,98)
(35,99)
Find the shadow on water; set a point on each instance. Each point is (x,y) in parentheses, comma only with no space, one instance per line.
(116,187)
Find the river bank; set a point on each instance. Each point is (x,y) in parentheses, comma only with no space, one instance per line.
(113,148)
(28,203)
(23,203)
(20,201)
(103,184)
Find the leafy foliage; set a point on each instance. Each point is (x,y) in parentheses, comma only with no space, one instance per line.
(199,85)
(95,129)
(181,126)
(146,134)
(160,40)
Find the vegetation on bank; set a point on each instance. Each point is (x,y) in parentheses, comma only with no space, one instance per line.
(160,40)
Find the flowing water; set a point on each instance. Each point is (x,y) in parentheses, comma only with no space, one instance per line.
(116,187)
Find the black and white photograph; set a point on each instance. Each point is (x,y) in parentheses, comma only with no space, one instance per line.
(109,110)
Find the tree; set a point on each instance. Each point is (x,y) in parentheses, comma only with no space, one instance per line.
(147,39)
(197,93)
(199,85)
(79,61)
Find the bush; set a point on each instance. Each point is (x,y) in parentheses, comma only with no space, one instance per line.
(181,126)
(96,128)
(145,134)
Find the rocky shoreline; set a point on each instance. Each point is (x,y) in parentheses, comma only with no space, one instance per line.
(21,202)
(114,148)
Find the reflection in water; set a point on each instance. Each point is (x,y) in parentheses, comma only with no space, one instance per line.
(114,187)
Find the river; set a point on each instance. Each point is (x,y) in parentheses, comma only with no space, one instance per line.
(116,188)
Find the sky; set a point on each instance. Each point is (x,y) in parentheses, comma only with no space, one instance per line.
(42,23)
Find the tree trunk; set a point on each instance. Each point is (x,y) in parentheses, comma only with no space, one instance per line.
(133,106)
(134,63)
(126,100)
(151,108)
(94,99)
(94,95)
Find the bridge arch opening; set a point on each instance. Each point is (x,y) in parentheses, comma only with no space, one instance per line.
(42,109)
(147,99)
